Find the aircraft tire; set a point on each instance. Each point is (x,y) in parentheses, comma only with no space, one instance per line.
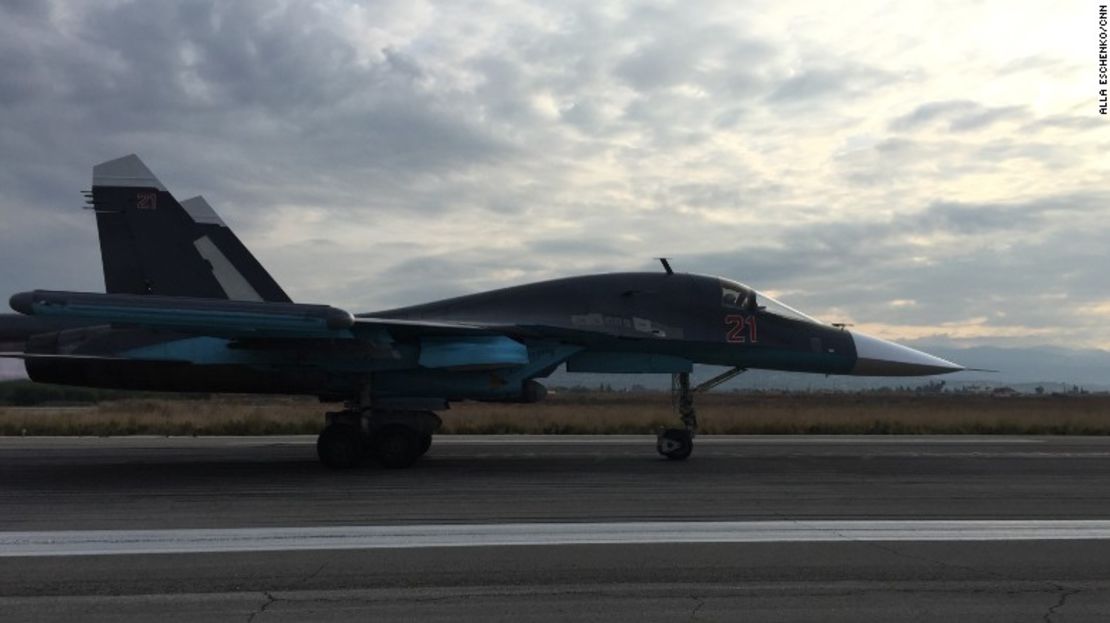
(397,446)
(340,446)
(675,443)
(425,443)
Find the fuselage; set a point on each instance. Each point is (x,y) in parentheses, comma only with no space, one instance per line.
(674,315)
(618,322)
(703,319)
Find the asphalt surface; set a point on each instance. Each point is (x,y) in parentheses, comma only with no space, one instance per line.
(153,484)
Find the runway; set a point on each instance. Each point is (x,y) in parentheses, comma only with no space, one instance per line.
(527,528)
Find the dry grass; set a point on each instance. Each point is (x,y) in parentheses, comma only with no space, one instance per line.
(796,414)
(167,417)
(598,413)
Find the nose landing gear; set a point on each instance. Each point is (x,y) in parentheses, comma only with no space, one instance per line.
(677,443)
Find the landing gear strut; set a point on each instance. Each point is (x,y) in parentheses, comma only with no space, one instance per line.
(677,443)
(394,439)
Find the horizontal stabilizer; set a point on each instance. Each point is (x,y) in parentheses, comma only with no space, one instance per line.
(69,357)
(215,317)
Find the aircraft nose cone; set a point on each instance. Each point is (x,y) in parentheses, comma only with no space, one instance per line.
(875,357)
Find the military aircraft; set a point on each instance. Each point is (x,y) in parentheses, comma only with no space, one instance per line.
(188,308)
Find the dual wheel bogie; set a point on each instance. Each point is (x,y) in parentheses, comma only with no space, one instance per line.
(344,445)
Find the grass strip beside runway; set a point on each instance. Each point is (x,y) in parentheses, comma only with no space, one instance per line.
(597,413)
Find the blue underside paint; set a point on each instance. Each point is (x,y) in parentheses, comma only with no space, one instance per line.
(474,385)
(197,350)
(456,352)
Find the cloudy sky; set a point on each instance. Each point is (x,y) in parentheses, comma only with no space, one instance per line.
(930,170)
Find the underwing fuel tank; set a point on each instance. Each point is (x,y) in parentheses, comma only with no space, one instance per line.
(878,357)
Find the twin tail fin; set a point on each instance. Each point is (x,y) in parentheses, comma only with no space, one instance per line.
(152,244)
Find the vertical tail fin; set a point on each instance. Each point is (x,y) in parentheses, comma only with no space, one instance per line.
(151,244)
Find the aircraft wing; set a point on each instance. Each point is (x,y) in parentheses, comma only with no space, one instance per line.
(305,332)
(316,332)
(243,319)
(16,354)
(404,328)
(225,318)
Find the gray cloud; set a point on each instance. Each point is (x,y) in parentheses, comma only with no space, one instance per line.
(842,81)
(898,161)
(381,154)
(1038,273)
(956,116)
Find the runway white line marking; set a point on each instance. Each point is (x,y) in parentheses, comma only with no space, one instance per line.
(714,440)
(103,542)
(139,442)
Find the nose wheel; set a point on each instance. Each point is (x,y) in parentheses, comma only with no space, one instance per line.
(675,443)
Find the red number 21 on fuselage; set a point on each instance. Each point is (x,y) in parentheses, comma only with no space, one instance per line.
(736,329)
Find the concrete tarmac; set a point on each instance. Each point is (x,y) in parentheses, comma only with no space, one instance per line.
(227,483)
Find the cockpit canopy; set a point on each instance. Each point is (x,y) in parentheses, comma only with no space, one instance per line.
(740,297)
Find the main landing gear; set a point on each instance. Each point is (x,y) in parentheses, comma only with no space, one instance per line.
(677,443)
(394,439)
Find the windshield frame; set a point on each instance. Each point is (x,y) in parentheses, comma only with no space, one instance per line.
(760,301)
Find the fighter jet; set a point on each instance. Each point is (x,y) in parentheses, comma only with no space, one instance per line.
(187,308)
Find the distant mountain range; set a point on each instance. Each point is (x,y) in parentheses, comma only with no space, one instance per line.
(1051,367)
(1050,364)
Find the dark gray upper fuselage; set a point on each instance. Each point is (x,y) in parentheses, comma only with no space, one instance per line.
(681,315)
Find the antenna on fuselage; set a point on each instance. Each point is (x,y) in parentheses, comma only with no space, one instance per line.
(666,265)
